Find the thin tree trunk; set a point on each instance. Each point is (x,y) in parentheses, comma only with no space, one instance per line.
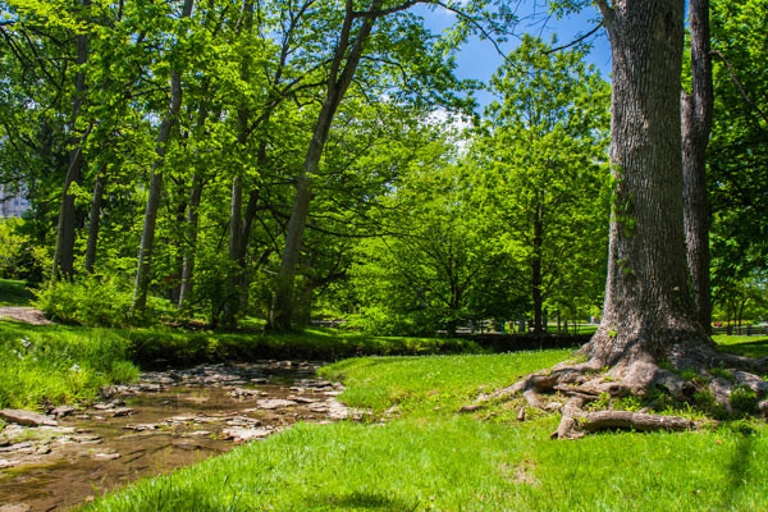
(193,213)
(95,219)
(193,216)
(64,254)
(141,286)
(697,124)
(233,298)
(339,79)
(536,281)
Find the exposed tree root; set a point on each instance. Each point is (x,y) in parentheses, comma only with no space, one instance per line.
(716,383)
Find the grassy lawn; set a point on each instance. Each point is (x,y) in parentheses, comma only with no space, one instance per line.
(14,293)
(418,452)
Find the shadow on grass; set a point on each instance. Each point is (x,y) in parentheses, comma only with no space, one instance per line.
(368,500)
(14,293)
(738,470)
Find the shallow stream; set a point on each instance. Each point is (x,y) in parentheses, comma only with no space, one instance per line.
(169,419)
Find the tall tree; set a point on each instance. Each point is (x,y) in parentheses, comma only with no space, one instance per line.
(648,317)
(738,154)
(64,254)
(401,45)
(547,139)
(349,50)
(141,287)
(697,124)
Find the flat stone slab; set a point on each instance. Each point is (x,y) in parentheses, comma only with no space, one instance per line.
(242,435)
(15,507)
(26,418)
(271,404)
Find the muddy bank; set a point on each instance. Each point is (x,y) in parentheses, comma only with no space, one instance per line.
(169,419)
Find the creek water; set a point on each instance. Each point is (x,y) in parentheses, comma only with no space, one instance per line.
(169,419)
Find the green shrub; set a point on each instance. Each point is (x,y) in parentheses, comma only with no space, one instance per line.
(91,301)
(14,244)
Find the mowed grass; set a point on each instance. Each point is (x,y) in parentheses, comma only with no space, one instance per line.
(416,451)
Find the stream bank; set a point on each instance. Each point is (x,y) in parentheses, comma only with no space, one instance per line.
(167,420)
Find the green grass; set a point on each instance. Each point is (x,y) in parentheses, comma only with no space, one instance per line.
(415,450)
(51,365)
(14,293)
(431,457)
(752,346)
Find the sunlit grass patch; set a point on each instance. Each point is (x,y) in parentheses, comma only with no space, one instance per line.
(50,365)
(434,383)
(751,346)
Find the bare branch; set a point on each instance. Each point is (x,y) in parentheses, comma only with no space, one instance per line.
(577,40)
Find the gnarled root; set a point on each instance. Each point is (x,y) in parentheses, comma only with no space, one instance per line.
(575,422)
(708,383)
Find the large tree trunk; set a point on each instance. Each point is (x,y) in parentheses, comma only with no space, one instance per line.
(647,305)
(141,286)
(649,317)
(697,124)
(343,68)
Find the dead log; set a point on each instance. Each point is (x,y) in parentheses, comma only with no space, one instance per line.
(627,420)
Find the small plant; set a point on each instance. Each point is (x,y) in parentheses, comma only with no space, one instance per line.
(628,403)
(723,374)
(603,402)
(688,374)
(705,399)
(743,399)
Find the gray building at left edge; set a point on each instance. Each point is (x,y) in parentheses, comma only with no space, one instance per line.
(12,203)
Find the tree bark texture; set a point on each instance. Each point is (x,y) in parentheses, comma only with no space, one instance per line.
(143,272)
(697,124)
(647,304)
(346,59)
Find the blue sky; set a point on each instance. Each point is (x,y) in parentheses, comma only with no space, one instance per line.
(479,59)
